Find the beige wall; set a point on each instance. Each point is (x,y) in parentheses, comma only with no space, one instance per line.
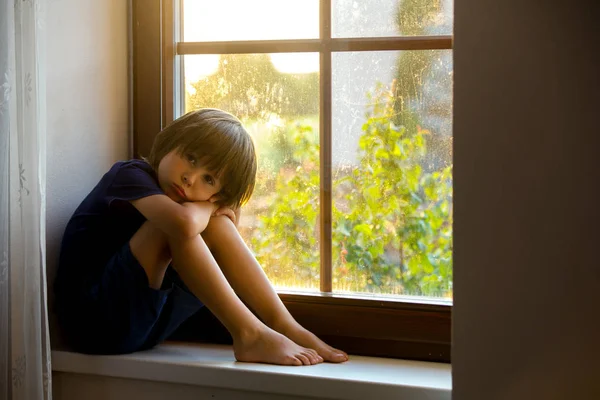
(527,206)
(87,89)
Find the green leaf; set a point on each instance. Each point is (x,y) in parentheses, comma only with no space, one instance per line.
(364,229)
(382,154)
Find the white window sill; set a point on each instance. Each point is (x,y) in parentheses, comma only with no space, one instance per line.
(214,366)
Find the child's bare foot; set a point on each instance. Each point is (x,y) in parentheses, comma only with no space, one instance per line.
(268,346)
(306,338)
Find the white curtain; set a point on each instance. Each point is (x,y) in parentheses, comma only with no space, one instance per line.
(25,370)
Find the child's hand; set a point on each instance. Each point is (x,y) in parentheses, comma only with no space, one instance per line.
(233,215)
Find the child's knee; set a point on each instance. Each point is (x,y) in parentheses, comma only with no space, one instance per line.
(216,227)
(220,221)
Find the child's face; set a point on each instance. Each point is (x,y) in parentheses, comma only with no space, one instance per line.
(183,179)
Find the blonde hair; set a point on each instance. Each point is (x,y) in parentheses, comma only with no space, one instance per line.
(220,143)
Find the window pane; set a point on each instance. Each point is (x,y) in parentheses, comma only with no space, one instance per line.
(209,20)
(353,18)
(277,99)
(392,172)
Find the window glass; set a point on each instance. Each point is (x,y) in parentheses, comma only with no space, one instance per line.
(355,18)
(392,172)
(231,20)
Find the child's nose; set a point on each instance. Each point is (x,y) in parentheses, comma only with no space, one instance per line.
(188,179)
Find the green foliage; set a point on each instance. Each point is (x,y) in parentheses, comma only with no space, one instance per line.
(392,224)
(286,241)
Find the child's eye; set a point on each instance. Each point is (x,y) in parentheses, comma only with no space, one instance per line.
(191,159)
(209,179)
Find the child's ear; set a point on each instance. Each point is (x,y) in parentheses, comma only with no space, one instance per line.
(214,198)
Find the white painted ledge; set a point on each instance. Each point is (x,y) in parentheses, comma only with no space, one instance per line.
(214,366)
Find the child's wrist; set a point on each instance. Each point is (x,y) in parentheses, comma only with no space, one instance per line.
(201,206)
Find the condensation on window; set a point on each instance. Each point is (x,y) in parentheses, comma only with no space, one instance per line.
(392,172)
(381,18)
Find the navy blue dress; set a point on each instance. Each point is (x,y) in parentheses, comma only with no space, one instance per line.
(103,299)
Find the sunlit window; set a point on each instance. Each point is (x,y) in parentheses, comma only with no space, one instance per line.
(391,137)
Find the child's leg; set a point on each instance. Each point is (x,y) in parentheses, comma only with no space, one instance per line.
(250,282)
(252,340)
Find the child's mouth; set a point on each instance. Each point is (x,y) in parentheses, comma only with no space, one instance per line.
(180,192)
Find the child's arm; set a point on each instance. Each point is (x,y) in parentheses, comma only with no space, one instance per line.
(176,220)
(233,215)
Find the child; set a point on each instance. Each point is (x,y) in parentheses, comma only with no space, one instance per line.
(156,240)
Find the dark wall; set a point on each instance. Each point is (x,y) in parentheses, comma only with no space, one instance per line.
(527,205)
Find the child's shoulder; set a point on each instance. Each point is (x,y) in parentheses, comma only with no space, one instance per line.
(126,174)
(132,167)
(132,163)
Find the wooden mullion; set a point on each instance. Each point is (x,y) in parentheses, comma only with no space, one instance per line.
(168,61)
(314,45)
(409,332)
(392,43)
(249,47)
(359,300)
(179,77)
(325,116)
(146,69)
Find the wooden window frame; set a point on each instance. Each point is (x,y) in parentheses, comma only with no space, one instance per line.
(404,327)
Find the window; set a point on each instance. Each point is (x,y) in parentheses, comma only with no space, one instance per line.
(350,105)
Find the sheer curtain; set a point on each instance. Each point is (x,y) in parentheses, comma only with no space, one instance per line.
(24,339)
